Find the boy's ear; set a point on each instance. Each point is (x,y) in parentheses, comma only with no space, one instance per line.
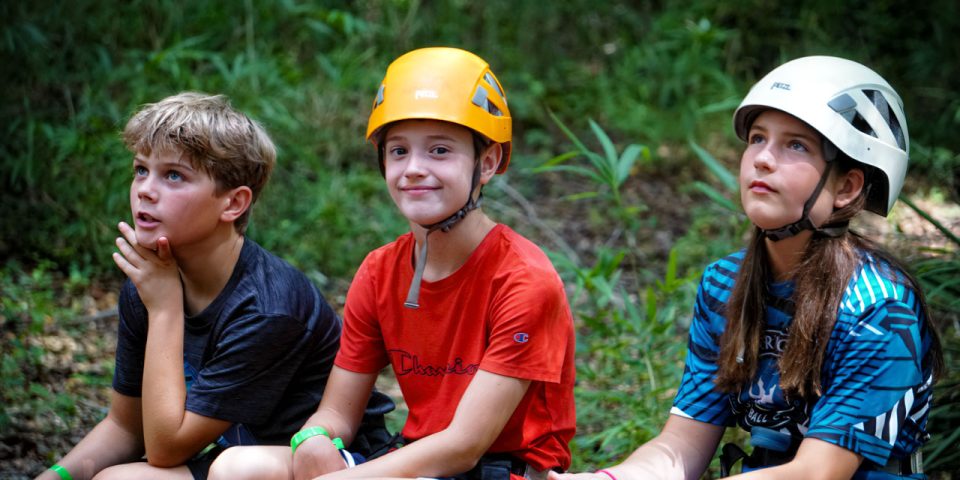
(849,188)
(489,162)
(236,202)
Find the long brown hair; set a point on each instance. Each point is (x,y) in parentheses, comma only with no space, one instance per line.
(826,267)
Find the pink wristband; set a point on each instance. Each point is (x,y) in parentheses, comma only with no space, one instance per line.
(607,474)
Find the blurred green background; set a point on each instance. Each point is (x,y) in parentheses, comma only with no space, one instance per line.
(621,171)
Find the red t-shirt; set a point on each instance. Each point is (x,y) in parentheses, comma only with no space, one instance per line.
(504,311)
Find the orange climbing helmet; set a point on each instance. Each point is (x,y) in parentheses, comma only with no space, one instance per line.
(447,84)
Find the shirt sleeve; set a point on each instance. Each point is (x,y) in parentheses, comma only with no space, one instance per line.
(252,364)
(131,342)
(531,326)
(362,349)
(698,398)
(874,367)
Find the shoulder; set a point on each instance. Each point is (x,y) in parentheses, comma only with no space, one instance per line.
(876,283)
(274,287)
(384,261)
(514,258)
(518,249)
(261,268)
(879,304)
(720,276)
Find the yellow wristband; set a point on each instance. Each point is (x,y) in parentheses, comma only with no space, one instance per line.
(313,432)
(64,474)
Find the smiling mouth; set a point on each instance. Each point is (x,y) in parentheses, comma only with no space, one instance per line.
(418,189)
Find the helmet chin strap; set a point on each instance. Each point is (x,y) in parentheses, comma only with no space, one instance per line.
(830,230)
(413,294)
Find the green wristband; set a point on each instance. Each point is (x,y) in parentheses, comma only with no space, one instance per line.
(64,474)
(313,432)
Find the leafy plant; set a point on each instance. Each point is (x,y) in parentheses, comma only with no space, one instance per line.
(608,170)
(629,355)
(35,349)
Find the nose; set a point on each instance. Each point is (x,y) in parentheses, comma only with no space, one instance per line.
(145,187)
(764,159)
(415,166)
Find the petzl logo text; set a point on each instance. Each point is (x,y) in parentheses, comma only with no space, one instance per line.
(425,94)
(780,85)
(521,337)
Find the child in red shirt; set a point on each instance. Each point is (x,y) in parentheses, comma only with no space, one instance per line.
(477,328)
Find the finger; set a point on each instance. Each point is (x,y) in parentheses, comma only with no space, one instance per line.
(164,251)
(128,232)
(125,266)
(130,254)
(130,235)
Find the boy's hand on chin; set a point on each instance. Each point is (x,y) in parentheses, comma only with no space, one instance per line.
(155,274)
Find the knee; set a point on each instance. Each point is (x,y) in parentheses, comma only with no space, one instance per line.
(242,463)
(115,472)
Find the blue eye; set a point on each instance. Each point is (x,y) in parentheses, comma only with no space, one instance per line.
(441,150)
(139,171)
(398,151)
(798,146)
(174,175)
(756,138)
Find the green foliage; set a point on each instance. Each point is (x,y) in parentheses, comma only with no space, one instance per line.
(307,71)
(938,271)
(941,454)
(609,170)
(727,180)
(629,355)
(665,72)
(631,323)
(35,350)
(350,213)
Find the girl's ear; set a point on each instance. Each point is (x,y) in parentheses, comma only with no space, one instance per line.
(236,202)
(489,161)
(849,186)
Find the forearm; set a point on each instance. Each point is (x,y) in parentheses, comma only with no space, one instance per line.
(108,444)
(164,389)
(441,454)
(682,450)
(815,459)
(653,460)
(456,449)
(336,424)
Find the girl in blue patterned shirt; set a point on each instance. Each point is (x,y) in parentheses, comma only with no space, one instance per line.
(812,338)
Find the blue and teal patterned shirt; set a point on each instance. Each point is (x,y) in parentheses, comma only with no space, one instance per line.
(876,377)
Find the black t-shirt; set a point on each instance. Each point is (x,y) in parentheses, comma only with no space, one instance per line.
(260,353)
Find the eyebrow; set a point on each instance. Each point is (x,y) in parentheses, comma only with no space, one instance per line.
(789,133)
(181,162)
(435,137)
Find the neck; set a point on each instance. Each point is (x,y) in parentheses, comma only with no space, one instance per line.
(206,267)
(448,251)
(785,255)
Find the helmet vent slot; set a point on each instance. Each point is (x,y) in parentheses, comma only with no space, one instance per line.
(379,99)
(487,77)
(480,99)
(861,124)
(889,117)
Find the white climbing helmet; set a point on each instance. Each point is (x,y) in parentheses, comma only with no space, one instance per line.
(851,106)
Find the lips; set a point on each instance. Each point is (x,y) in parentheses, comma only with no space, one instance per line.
(758,186)
(145,220)
(418,189)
